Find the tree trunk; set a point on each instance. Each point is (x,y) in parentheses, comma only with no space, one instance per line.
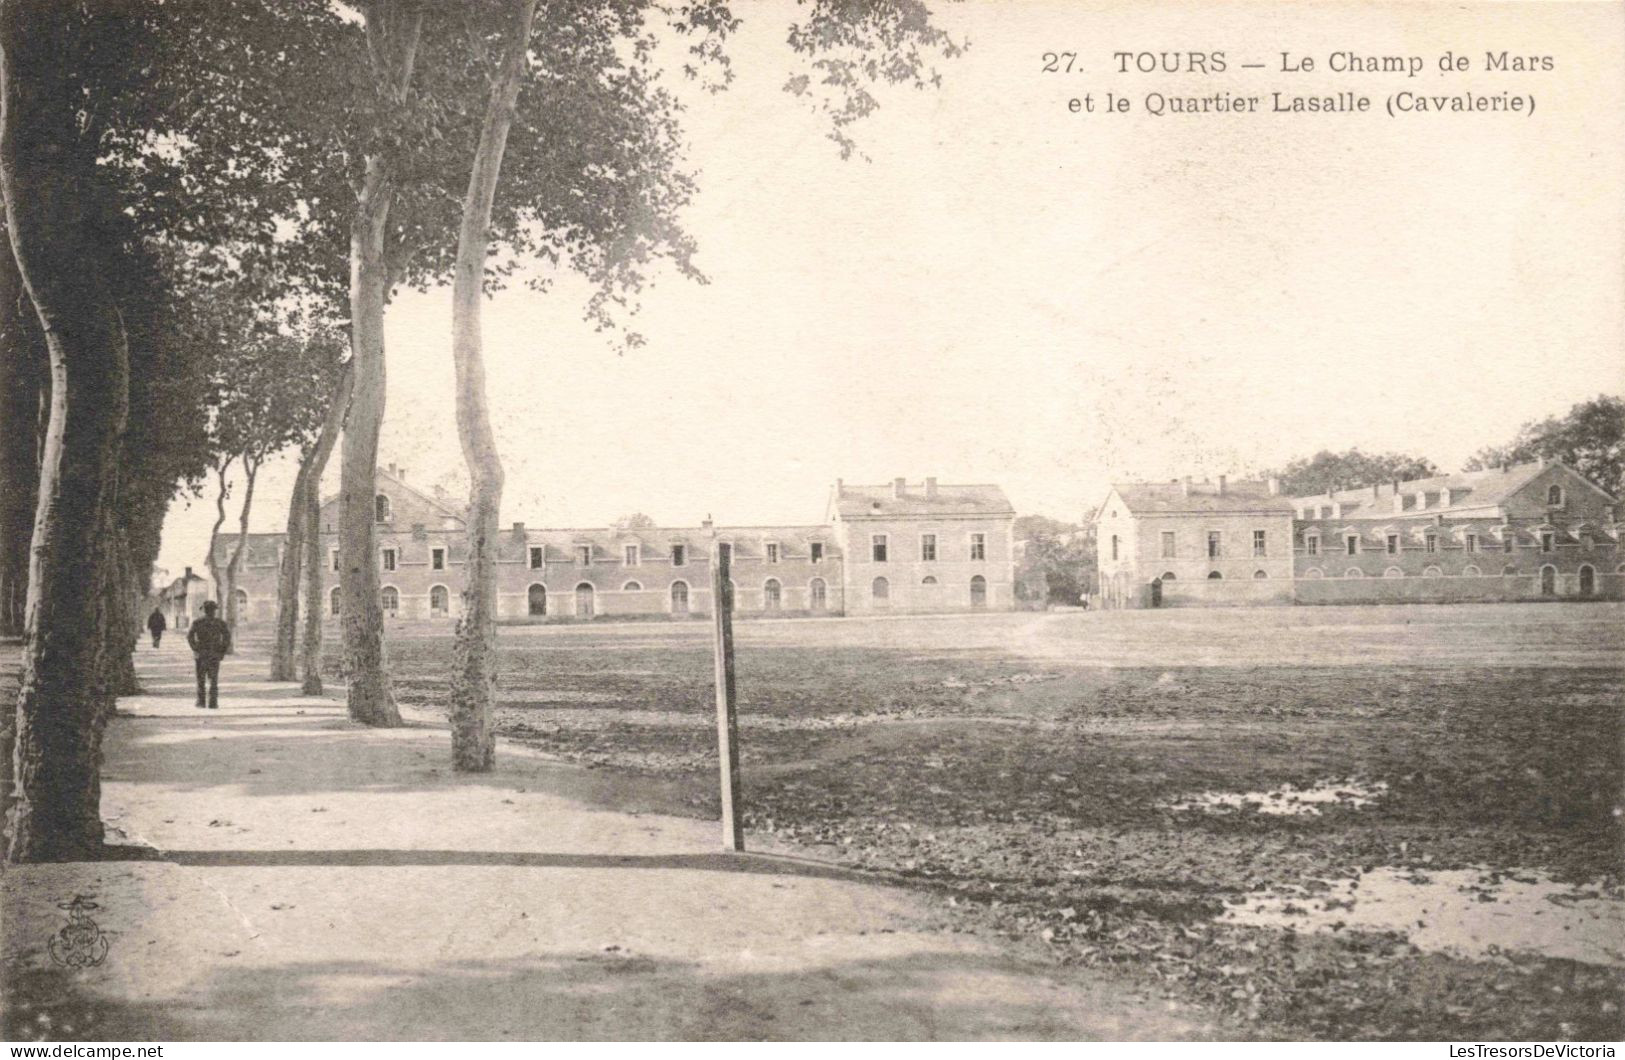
(392,30)
(123,628)
(24,391)
(315,562)
(474,673)
(287,578)
(251,470)
(43,174)
(370,698)
(212,560)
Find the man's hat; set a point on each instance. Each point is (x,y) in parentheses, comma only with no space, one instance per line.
(210,607)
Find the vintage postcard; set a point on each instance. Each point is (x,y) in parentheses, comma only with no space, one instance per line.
(809,520)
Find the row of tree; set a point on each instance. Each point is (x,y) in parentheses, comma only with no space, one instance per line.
(1590,438)
(199,195)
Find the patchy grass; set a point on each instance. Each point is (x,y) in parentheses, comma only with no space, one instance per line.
(1029,768)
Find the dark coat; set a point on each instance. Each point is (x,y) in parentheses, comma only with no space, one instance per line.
(156,622)
(209,637)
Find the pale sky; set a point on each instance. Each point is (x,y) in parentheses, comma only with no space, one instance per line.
(1007,292)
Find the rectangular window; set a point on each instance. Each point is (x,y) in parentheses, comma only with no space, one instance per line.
(679,555)
(1214,549)
(772,551)
(535,559)
(1168,546)
(1312,544)
(1432,543)
(632,556)
(817,551)
(1472,542)
(335,559)
(437,559)
(1260,546)
(877,548)
(1508,542)
(928,548)
(1114,546)
(583,555)
(978,546)
(1393,544)
(1547,539)
(389,559)
(1352,542)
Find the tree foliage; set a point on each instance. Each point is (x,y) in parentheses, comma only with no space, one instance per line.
(1351,469)
(1590,439)
(1057,560)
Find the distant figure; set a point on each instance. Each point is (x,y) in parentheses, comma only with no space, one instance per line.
(210,640)
(156,624)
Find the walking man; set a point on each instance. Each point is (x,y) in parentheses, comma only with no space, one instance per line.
(210,640)
(156,624)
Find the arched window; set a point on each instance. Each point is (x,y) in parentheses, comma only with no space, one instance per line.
(1167,575)
(240,598)
(1554,495)
(439,601)
(1431,571)
(1354,572)
(1314,572)
(679,598)
(978,591)
(929,579)
(632,587)
(333,601)
(1588,580)
(389,598)
(1214,576)
(380,508)
(1509,571)
(1393,572)
(771,595)
(817,595)
(536,600)
(1548,580)
(1471,571)
(586,598)
(880,589)
(1260,574)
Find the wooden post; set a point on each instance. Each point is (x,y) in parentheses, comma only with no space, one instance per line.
(722,605)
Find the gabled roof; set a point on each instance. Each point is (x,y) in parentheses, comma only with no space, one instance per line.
(1468,489)
(1169,498)
(918,499)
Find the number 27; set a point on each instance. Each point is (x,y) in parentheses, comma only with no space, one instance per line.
(1059,62)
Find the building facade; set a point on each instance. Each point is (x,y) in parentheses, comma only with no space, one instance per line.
(1165,544)
(1535,531)
(548,574)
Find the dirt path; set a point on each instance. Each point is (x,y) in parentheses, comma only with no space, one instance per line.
(304,878)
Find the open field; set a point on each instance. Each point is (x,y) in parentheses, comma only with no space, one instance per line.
(1336,822)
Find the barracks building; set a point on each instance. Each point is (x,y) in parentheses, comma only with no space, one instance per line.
(1536,531)
(899,547)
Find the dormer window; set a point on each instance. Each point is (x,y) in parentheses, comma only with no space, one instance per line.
(679,555)
(633,556)
(772,550)
(583,555)
(817,548)
(1554,496)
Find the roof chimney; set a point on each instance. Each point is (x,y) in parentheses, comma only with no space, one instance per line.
(897,488)
(390,467)
(705,524)
(1275,486)
(930,487)
(1221,485)
(519,528)
(839,486)
(190,575)
(1185,487)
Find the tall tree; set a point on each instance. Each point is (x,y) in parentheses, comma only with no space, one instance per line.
(24,388)
(1350,469)
(47,168)
(310,651)
(1590,439)
(598,183)
(324,409)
